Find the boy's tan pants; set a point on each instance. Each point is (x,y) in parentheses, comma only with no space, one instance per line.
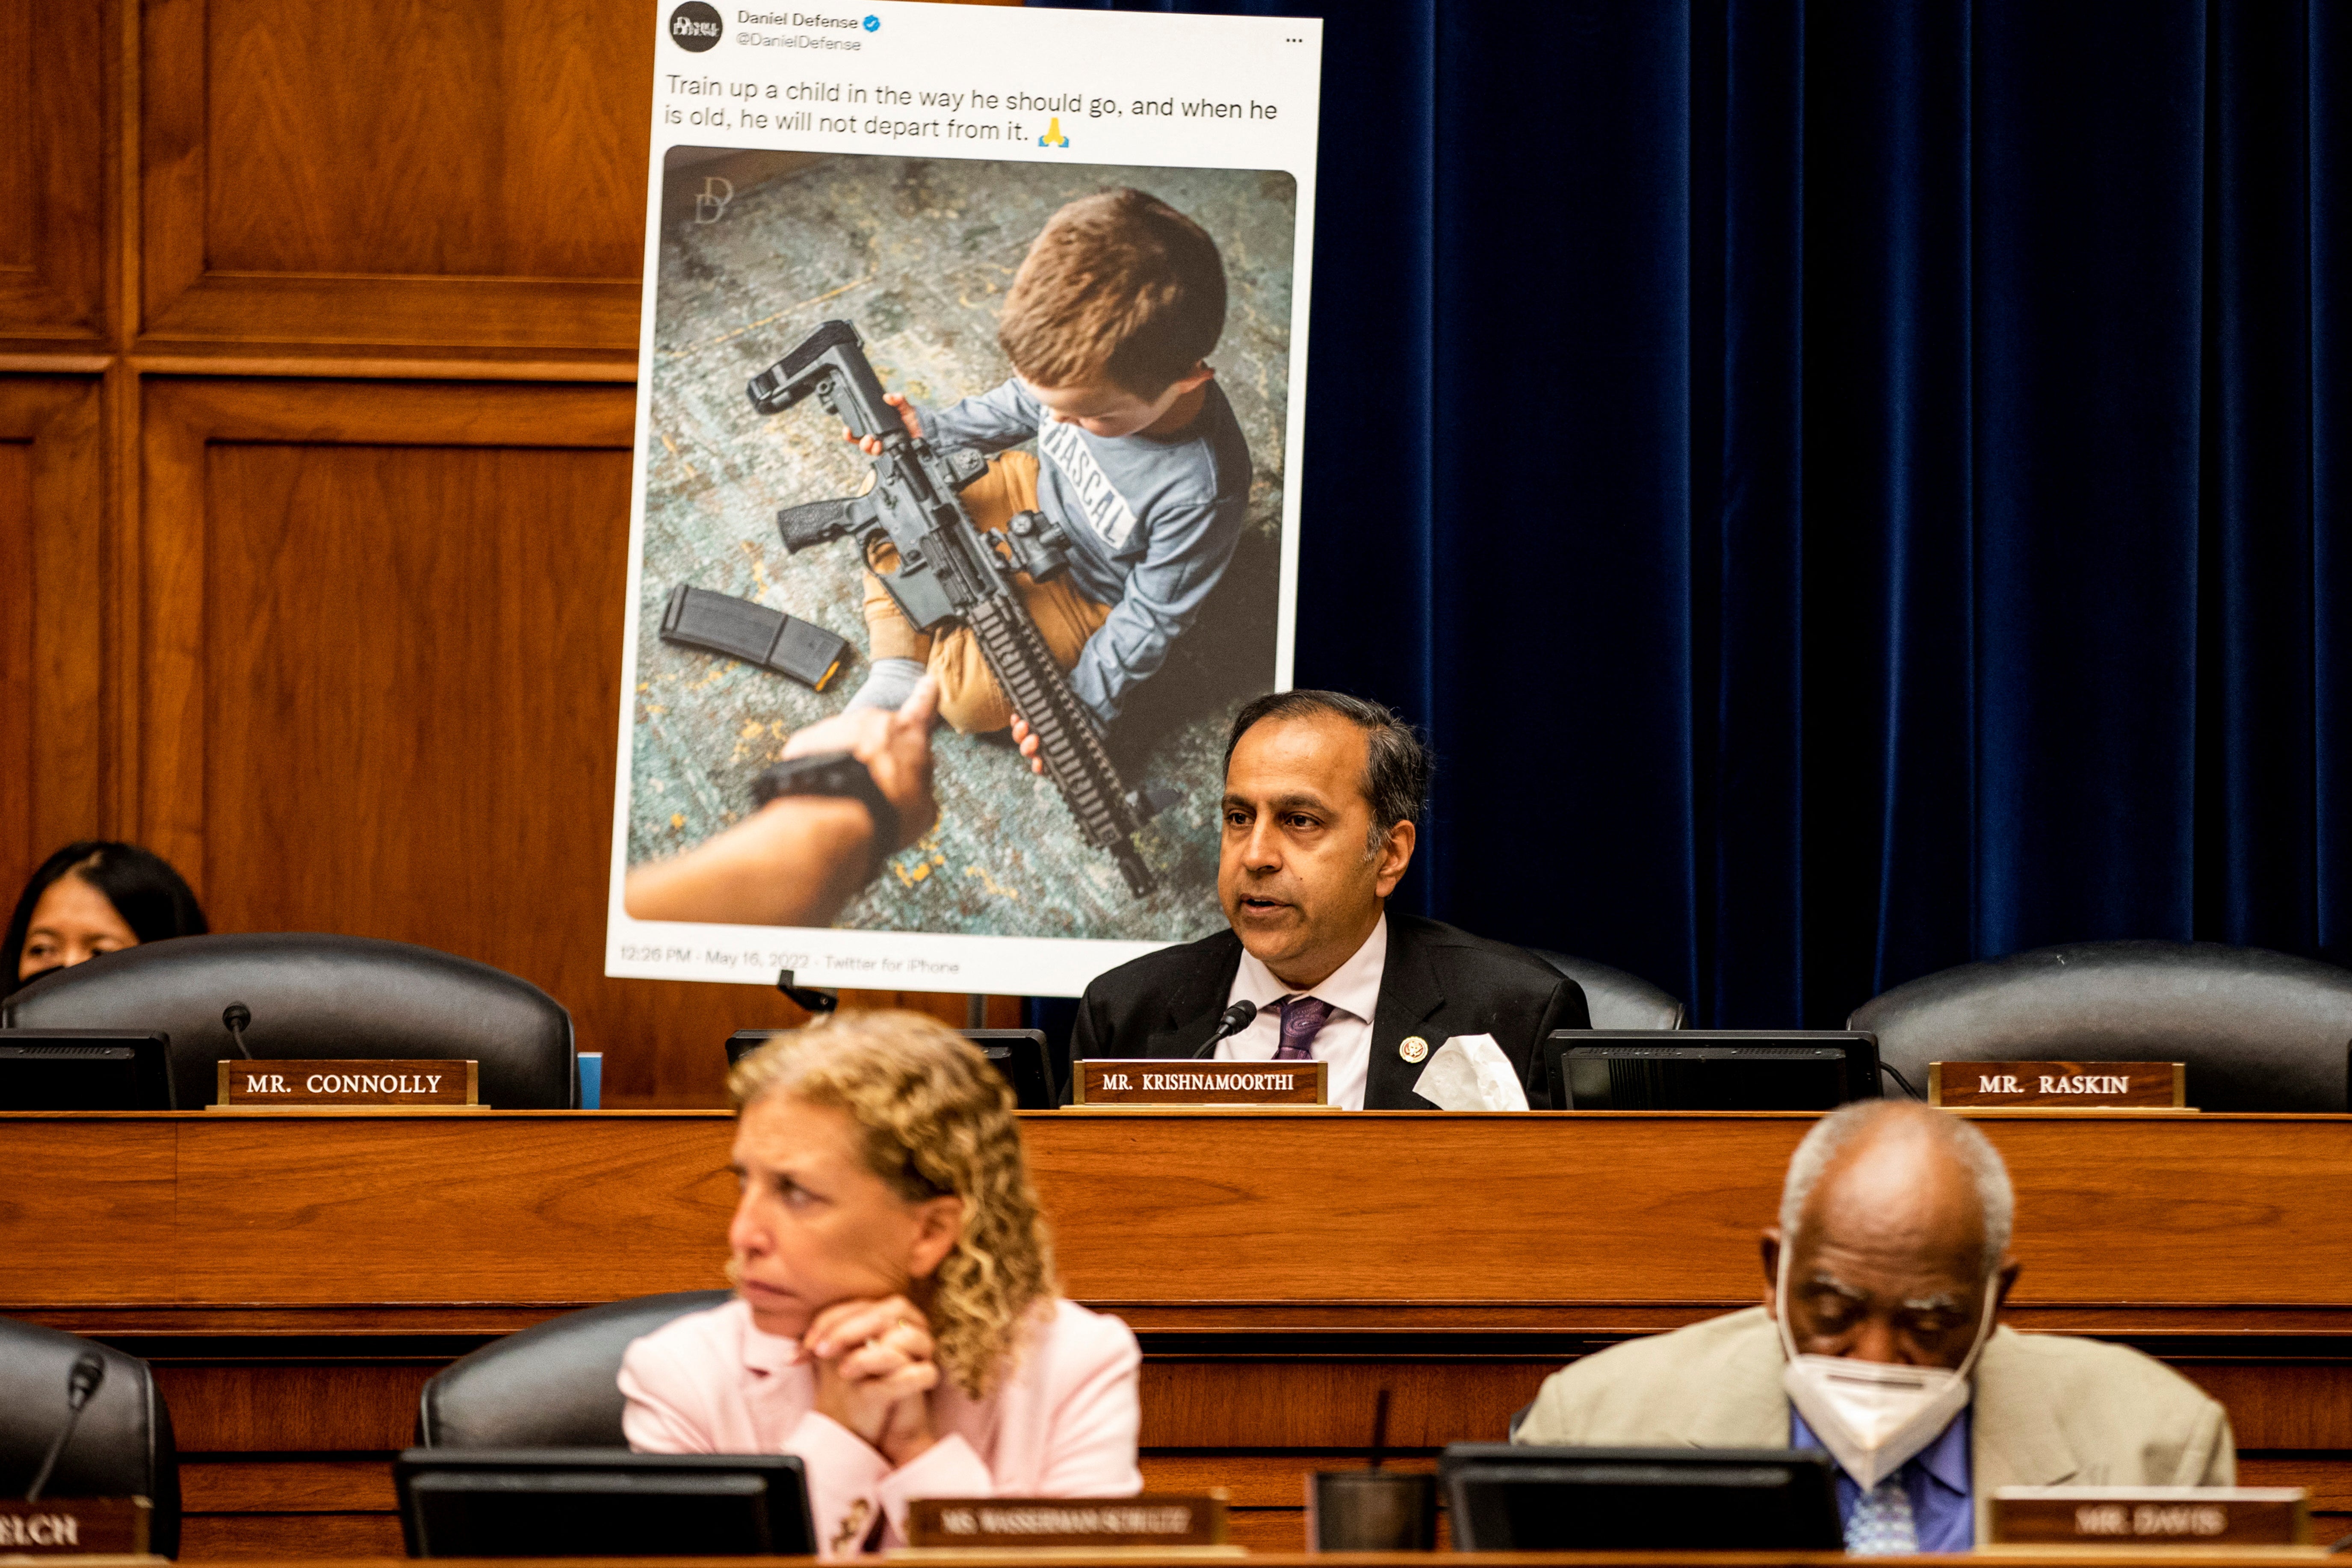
(968,697)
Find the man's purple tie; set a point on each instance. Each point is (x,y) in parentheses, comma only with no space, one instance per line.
(1302,1019)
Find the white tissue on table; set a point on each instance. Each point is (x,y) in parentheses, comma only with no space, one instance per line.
(1470,1072)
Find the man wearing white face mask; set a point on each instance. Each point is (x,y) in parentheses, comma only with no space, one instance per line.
(1877,1340)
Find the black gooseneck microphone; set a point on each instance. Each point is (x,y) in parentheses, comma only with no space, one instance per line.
(1235,1019)
(237,1017)
(88,1372)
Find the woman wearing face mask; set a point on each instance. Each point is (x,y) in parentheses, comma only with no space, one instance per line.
(895,1322)
(90,898)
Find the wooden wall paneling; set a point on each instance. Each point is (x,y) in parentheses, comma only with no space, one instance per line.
(54,164)
(345,173)
(53,606)
(376,664)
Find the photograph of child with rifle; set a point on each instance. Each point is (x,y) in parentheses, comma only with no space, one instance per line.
(1082,548)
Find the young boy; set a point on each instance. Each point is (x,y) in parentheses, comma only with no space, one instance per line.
(1108,324)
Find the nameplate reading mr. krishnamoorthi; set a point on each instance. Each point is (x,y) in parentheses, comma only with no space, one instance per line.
(1987,1086)
(290,1085)
(1174,1082)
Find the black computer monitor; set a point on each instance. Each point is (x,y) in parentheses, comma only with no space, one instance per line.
(601,1502)
(1019,1054)
(1709,1070)
(1503,1497)
(85,1069)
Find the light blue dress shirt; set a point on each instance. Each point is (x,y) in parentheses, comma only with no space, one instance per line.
(1940,1478)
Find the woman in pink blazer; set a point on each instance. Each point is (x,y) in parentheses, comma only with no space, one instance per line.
(895,1321)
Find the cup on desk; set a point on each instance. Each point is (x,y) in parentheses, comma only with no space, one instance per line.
(591,1081)
(1372,1511)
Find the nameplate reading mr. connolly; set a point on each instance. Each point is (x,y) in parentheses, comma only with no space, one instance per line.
(290,1085)
(1987,1086)
(1161,1082)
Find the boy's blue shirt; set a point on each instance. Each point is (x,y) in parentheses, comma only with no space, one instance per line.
(1152,523)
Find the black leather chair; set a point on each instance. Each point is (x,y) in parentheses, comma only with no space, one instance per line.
(2260,1030)
(315,995)
(1616,999)
(122,1445)
(552,1386)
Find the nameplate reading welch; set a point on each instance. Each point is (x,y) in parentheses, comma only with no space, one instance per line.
(74,1526)
(1987,1086)
(1024,1522)
(290,1085)
(2144,1516)
(1158,1081)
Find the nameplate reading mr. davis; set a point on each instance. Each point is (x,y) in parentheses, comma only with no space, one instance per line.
(290,1085)
(1157,1081)
(1987,1086)
(2149,1516)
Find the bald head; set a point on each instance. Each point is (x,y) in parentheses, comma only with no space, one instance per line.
(1895,1215)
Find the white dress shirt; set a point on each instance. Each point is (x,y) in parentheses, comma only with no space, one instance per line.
(1345,1041)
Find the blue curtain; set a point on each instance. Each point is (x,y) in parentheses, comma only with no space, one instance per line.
(1848,488)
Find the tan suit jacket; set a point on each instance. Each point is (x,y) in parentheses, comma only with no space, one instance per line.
(2049,1410)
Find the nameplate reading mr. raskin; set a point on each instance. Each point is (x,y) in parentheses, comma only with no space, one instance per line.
(290,1085)
(1145,1521)
(1987,1086)
(1157,1081)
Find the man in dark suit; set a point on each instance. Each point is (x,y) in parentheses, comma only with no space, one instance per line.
(1323,803)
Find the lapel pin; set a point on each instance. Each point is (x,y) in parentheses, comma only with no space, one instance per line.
(1413,1048)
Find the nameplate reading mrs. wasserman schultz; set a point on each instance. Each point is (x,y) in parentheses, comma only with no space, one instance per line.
(1163,1082)
(1145,1521)
(290,1085)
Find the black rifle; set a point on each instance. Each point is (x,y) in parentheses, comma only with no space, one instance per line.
(950,570)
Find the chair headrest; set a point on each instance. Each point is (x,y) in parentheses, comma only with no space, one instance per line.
(316,995)
(554,1385)
(2260,1030)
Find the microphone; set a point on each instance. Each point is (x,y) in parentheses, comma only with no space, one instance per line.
(1235,1019)
(237,1017)
(88,1372)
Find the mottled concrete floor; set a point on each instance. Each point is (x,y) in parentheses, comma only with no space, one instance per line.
(916,253)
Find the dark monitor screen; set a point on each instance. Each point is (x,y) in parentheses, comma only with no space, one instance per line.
(601,1502)
(1020,1056)
(85,1069)
(1709,1070)
(1509,1499)
(1018,1053)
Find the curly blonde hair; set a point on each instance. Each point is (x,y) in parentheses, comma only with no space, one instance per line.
(935,1119)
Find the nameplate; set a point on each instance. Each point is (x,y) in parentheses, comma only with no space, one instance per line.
(1987,1086)
(299,1085)
(2142,1516)
(1157,1081)
(1145,1521)
(74,1526)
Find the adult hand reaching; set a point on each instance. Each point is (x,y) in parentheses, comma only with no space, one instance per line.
(874,1372)
(895,746)
(799,859)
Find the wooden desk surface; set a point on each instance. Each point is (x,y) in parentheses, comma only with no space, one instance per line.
(1594,1222)
(296,1279)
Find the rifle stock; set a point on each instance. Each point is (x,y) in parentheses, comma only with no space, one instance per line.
(949,570)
